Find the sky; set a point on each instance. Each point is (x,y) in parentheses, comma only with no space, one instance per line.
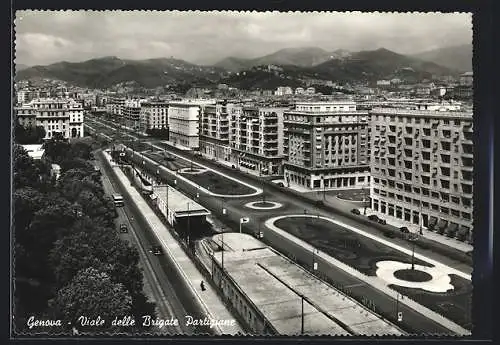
(45,37)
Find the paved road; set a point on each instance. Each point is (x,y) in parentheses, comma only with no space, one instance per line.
(236,209)
(156,283)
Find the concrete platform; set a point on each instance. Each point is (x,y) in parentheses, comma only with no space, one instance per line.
(275,285)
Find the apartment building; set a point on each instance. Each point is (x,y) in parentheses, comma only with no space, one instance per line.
(422,168)
(55,115)
(326,145)
(114,106)
(131,113)
(256,138)
(183,119)
(153,115)
(214,130)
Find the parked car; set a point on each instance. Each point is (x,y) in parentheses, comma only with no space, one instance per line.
(156,250)
(123,228)
(373,217)
(355,211)
(280,184)
(382,221)
(404,230)
(319,203)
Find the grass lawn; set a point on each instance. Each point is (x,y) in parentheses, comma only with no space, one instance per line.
(363,253)
(263,204)
(353,194)
(218,184)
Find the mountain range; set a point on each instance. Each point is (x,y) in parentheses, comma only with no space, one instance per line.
(295,64)
(455,57)
(303,57)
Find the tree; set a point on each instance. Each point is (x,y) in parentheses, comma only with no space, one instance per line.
(26,172)
(57,149)
(29,135)
(92,293)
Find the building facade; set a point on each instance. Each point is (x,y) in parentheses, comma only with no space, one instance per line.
(326,145)
(256,139)
(422,168)
(131,113)
(63,116)
(214,130)
(153,115)
(183,120)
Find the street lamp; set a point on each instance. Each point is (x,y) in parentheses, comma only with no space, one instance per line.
(323,182)
(315,264)
(413,238)
(364,199)
(302,313)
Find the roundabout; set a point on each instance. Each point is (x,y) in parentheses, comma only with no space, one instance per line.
(263,205)
(433,279)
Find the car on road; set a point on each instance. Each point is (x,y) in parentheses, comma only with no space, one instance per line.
(404,230)
(355,211)
(258,234)
(123,228)
(280,184)
(156,250)
(382,221)
(319,203)
(373,218)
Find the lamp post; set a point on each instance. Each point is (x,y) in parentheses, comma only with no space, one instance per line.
(222,248)
(188,225)
(314,264)
(302,315)
(364,200)
(323,182)
(413,238)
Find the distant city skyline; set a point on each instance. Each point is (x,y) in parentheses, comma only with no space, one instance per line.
(45,37)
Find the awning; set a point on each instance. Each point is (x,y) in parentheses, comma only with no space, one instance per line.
(432,222)
(442,224)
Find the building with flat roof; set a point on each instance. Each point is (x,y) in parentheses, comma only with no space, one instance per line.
(184,122)
(422,168)
(326,145)
(153,115)
(276,296)
(35,151)
(214,130)
(55,115)
(256,138)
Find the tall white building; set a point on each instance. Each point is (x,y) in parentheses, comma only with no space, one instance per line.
(422,168)
(326,145)
(183,120)
(63,116)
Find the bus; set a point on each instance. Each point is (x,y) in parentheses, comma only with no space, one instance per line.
(118,200)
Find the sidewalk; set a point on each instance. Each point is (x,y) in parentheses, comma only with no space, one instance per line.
(213,306)
(450,242)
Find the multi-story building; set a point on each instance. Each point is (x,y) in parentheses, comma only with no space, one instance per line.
(256,138)
(421,168)
(153,115)
(214,130)
(183,122)
(114,106)
(467,79)
(63,116)
(326,145)
(131,113)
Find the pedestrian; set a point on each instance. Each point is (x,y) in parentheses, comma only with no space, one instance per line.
(202,285)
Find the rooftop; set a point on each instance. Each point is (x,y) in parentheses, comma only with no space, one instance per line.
(275,285)
(178,203)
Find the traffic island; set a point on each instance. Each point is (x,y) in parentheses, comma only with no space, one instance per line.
(365,255)
(263,205)
(217,184)
(413,275)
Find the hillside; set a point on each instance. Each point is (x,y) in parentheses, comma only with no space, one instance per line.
(302,57)
(108,71)
(377,64)
(455,57)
